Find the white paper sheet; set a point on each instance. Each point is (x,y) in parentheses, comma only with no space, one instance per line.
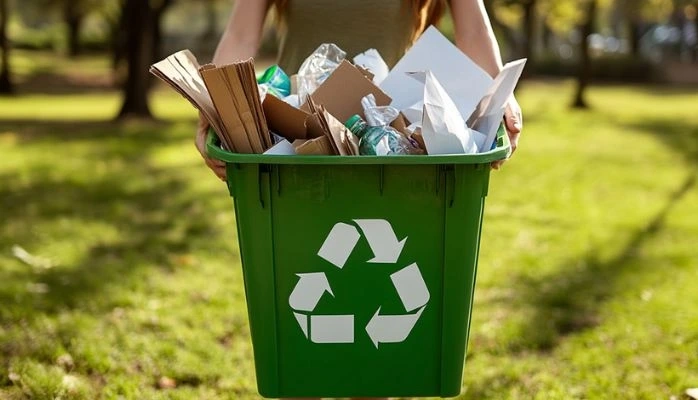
(443,128)
(413,113)
(489,113)
(372,61)
(283,148)
(465,82)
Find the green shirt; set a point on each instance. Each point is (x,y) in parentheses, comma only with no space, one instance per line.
(353,25)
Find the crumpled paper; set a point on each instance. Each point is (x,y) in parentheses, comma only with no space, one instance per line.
(443,128)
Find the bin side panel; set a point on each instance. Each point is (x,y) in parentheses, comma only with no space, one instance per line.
(253,214)
(463,219)
(334,355)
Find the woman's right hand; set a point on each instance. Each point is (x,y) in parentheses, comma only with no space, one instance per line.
(217,166)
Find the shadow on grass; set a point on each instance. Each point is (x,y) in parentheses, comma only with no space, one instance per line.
(144,134)
(680,136)
(567,302)
(51,82)
(154,212)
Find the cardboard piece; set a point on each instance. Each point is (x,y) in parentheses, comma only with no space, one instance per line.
(180,71)
(343,90)
(365,72)
(252,90)
(318,146)
(234,84)
(284,119)
(220,94)
(296,125)
(346,141)
(228,97)
(314,127)
(400,124)
(322,123)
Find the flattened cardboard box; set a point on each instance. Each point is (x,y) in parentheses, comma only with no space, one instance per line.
(343,90)
(319,146)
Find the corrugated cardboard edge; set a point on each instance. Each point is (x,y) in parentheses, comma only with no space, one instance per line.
(284,119)
(243,109)
(319,146)
(343,90)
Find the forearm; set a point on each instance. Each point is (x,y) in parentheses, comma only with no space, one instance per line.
(243,33)
(474,35)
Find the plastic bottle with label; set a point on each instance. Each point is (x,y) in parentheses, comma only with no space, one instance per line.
(377,140)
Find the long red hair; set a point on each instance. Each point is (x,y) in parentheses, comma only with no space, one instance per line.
(426,12)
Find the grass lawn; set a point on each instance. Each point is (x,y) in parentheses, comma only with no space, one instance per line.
(120,274)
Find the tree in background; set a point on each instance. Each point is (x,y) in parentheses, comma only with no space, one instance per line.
(584,71)
(639,13)
(5,83)
(529,20)
(141,24)
(139,44)
(74,12)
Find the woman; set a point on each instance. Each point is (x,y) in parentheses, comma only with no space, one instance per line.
(356,25)
(389,26)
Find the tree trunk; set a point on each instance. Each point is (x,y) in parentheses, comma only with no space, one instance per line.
(138,48)
(584,73)
(634,37)
(73,20)
(5,83)
(548,36)
(529,25)
(74,48)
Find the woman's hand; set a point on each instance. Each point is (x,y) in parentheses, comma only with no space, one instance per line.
(513,122)
(217,166)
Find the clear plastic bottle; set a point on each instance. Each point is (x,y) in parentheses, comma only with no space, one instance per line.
(377,140)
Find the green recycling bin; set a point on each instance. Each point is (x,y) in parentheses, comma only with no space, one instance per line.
(359,271)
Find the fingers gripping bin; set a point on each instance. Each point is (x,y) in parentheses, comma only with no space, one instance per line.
(359,271)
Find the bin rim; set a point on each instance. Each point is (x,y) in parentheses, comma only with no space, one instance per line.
(502,151)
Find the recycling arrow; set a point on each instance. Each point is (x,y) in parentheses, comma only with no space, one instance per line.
(336,249)
(308,291)
(391,328)
(339,244)
(384,244)
(411,287)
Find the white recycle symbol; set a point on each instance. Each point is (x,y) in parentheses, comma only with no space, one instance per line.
(336,249)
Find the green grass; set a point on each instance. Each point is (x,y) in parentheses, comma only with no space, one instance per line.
(586,286)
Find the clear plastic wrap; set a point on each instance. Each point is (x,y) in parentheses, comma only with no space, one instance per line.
(318,67)
(382,117)
(378,115)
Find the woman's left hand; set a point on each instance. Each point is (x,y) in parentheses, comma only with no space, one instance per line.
(513,121)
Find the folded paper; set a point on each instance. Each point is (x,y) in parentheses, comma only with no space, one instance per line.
(443,128)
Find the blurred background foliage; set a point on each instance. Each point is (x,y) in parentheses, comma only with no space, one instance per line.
(119,273)
(605,40)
